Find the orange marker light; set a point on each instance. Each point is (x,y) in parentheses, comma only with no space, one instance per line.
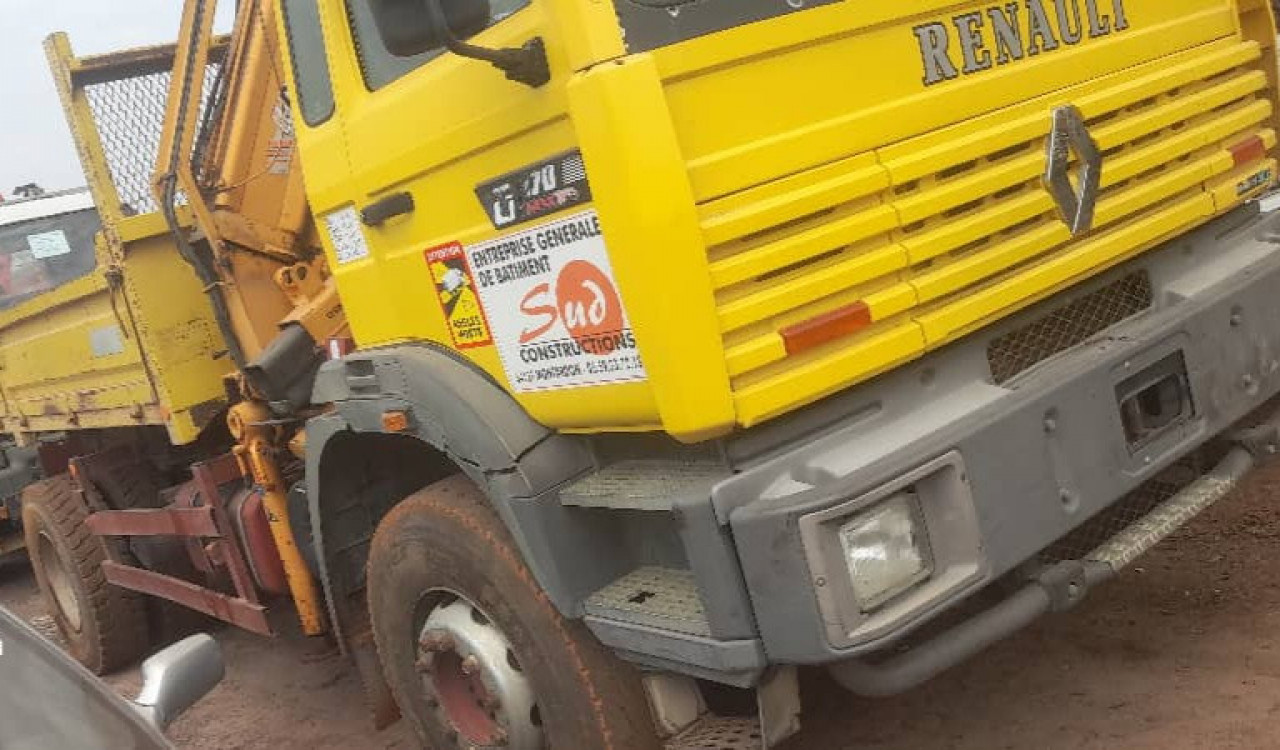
(1249,150)
(841,322)
(395,421)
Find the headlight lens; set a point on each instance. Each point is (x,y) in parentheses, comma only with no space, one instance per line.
(885,550)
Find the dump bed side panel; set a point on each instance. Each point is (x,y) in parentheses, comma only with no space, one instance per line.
(70,365)
(66,358)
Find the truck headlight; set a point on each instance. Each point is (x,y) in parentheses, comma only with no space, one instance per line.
(885,550)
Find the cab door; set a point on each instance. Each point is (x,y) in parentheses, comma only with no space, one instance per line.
(438,143)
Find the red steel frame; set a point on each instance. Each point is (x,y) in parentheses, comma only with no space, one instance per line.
(211,542)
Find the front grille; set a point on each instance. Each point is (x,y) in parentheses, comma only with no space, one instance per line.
(943,234)
(1061,329)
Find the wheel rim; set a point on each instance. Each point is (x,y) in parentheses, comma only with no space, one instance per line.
(59,582)
(473,680)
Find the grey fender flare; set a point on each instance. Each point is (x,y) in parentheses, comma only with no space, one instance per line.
(457,410)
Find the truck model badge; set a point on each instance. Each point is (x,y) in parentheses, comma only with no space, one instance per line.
(1002,34)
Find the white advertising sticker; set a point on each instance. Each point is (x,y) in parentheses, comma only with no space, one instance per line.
(348,239)
(556,315)
(49,244)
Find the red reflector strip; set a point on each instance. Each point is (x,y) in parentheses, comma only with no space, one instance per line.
(341,346)
(1249,151)
(841,322)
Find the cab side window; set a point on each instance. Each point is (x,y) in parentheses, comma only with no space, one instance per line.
(310,66)
(378,65)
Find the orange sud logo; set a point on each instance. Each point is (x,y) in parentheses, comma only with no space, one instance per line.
(998,35)
(557,316)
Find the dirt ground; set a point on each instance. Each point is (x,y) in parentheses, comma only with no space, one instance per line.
(1180,653)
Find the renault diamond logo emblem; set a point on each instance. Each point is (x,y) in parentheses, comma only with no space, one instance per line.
(1073,169)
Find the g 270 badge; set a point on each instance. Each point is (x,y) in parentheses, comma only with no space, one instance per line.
(536,190)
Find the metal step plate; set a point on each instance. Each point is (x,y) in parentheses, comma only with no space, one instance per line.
(719,733)
(656,597)
(644,485)
(1137,539)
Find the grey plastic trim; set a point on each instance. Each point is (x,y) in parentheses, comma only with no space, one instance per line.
(454,406)
(920,664)
(319,431)
(714,561)
(739,663)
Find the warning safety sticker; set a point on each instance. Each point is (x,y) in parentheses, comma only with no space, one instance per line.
(456,289)
(555,310)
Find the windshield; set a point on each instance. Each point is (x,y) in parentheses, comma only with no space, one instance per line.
(48,702)
(40,254)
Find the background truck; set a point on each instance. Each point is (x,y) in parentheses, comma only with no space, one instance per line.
(695,343)
(46,240)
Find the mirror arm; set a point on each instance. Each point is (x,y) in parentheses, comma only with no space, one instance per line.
(527,64)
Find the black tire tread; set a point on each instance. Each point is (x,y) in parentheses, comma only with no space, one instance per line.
(115,631)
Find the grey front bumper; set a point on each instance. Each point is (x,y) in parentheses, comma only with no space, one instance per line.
(1002,471)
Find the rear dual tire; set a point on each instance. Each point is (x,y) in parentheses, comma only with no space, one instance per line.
(105,627)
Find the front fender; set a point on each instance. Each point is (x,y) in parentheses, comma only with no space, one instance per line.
(458,412)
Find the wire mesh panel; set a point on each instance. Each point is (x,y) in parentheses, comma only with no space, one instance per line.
(1073,324)
(129,116)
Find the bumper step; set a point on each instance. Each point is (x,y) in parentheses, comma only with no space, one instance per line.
(1138,538)
(644,485)
(719,733)
(655,617)
(660,598)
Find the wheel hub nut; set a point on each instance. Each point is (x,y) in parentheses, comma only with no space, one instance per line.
(437,642)
(470,665)
(470,682)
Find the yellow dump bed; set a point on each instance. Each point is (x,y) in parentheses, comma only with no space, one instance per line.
(107,329)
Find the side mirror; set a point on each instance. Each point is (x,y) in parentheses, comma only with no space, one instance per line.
(175,678)
(409,27)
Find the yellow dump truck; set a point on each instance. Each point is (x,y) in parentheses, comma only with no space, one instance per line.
(46,241)
(638,349)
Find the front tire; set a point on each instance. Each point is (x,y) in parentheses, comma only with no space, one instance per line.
(472,648)
(105,627)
